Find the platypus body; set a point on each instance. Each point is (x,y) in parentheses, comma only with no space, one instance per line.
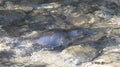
(55,38)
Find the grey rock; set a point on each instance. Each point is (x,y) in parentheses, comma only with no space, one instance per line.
(79,54)
(64,33)
(7,17)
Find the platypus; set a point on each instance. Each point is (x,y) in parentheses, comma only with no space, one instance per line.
(55,38)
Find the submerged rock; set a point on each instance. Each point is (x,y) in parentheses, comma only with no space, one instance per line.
(74,33)
(79,54)
(7,17)
(109,58)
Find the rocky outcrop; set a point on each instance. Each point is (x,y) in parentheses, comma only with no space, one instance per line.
(59,33)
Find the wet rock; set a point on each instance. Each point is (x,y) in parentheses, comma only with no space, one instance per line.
(80,21)
(1,1)
(39,58)
(20,61)
(77,18)
(7,43)
(47,21)
(3,33)
(117,2)
(114,21)
(108,58)
(97,35)
(37,18)
(114,32)
(81,33)
(16,30)
(28,6)
(78,54)
(7,17)
(67,10)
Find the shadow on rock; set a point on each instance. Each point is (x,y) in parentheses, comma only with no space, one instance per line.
(104,43)
(6,54)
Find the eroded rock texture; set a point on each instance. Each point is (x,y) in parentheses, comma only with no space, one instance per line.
(59,33)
